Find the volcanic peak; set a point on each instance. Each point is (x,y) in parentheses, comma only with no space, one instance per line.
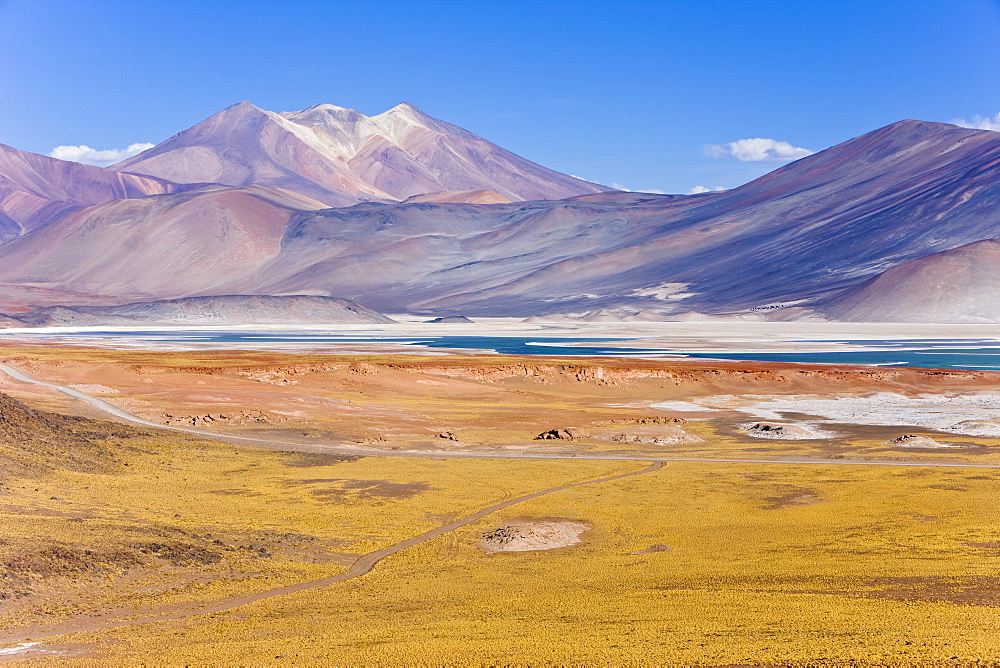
(339,156)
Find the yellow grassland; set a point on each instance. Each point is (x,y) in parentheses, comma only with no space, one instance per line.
(311,516)
(750,563)
(767,564)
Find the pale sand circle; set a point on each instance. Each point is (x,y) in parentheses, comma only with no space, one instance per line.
(525,535)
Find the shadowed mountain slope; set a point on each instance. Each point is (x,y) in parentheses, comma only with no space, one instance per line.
(813,227)
(217,310)
(341,157)
(6,322)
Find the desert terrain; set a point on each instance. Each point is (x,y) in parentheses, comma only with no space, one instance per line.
(261,506)
(346,336)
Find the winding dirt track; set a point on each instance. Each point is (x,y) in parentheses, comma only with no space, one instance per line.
(366,562)
(362,566)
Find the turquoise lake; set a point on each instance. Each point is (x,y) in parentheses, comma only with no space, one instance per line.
(983,354)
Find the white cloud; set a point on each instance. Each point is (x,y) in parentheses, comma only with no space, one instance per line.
(980,123)
(99,157)
(757,149)
(697,190)
(653,191)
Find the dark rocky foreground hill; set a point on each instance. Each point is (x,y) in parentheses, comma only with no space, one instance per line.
(34,441)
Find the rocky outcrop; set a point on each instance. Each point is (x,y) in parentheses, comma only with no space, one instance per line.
(658,435)
(235,417)
(566,434)
(451,319)
(526,535)
(785,432)
(655,420)
(917,441)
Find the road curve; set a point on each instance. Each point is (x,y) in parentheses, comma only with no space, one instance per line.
(106,407)
(361,566)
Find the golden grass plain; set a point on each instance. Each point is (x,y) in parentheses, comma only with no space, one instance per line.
(798,564)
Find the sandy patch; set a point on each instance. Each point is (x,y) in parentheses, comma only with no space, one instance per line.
(917,441)
(94,388)
(231,417)
(789,496)
(365,489)
(683,406)
(526,535)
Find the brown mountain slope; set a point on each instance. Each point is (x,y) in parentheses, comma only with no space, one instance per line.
(163,246)
(460,197)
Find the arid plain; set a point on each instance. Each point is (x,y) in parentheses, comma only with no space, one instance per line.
(480,334)
(372,508)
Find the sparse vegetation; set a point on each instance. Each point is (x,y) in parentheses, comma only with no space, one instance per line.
(694,563)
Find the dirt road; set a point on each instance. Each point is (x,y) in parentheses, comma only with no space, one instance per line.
(365,563)
(371,452)
(362,566)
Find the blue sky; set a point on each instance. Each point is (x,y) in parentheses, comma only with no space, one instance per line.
(626,92)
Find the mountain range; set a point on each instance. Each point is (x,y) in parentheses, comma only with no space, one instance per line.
(334,155)
(405,213)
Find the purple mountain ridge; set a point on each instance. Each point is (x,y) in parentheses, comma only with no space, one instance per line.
(36,189)
(340,157)
(809,233)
